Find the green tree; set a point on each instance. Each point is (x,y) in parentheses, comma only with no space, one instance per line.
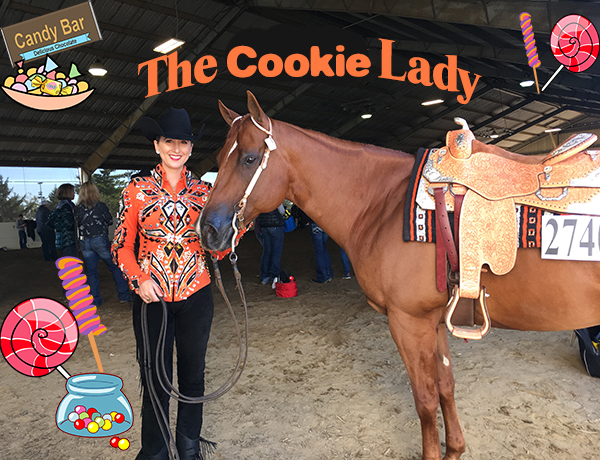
(11,204)
(53,198)
(29,206)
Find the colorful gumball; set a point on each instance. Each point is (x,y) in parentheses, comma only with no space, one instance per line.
(79,409)
(79,424)
(119,418)
(123,444)
(93,427)
(114,441)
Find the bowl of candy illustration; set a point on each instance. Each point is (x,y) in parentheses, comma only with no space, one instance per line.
(46,88)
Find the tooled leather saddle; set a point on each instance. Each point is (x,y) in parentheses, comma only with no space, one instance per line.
(481,184)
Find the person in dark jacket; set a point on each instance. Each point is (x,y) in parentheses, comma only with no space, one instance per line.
(21,228)
(47,235)
(63,221)
(93,219)
(272,231)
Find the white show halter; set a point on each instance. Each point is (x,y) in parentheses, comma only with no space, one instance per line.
(240,208)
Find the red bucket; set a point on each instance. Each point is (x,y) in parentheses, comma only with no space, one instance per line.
(286,289)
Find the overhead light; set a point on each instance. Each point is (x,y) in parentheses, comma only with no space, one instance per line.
(169,45)
(97,70)
(435,101)
(494,136)
(366,116)
(527,83)
(553,130)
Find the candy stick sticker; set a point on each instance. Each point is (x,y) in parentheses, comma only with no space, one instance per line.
(574,43)
(530,48)
(80,301)
(37,336)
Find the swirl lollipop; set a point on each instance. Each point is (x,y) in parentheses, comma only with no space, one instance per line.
(37,336)
(574,43)
(529,40)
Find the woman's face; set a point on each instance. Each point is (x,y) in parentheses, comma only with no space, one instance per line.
(173,152)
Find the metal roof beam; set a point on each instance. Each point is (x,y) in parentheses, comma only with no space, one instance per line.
(408,131)
(529,125)
(107,147)
(502,114)
(502,14)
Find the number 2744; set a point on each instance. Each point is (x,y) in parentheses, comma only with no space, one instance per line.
(571,237)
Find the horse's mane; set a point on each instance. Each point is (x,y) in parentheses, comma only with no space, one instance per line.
(331,142)
(343,144)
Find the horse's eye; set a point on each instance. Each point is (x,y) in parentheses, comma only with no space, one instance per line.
(250,160)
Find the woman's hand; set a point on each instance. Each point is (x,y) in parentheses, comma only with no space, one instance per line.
(149,291)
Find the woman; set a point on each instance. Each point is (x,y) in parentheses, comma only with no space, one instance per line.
(62,220)
(93,219)
(162,209)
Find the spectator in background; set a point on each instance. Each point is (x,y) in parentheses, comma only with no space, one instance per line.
(47,234)
(93,219)
(319,240)
(271,230)
(21,228)
(345,264)
(63,221)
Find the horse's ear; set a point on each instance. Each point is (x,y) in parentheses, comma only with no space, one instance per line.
(255,110)
(228,115)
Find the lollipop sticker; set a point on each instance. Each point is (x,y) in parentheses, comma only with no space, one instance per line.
(37,336)
(530,48)
(574,43)
(80,301)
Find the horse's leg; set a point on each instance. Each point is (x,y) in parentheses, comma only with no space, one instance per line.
(416,339)
(455,441)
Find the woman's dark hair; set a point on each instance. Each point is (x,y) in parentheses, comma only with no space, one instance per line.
(65,192)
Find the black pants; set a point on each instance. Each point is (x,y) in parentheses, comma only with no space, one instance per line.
(188,324)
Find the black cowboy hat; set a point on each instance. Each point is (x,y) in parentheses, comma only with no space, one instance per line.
(172,124)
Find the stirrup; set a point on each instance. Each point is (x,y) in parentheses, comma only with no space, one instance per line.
(461,332)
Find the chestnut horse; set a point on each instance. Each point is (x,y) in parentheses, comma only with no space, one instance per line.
(356,193)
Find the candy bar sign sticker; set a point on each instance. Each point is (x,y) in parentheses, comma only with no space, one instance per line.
(51,33)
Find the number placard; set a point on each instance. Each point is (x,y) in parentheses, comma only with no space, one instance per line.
(571,237)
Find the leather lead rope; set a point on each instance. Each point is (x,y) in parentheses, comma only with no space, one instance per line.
(161,374)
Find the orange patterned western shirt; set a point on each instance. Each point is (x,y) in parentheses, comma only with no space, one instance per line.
(169,249)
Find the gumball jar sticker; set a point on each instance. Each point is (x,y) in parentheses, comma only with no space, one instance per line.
(94,407)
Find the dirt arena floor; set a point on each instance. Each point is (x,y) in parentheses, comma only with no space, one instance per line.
(324,380)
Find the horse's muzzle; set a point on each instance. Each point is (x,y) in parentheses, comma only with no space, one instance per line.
(215,230)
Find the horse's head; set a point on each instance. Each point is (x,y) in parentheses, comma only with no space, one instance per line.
(252,175)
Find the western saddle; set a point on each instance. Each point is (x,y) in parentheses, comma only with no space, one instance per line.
(483,184)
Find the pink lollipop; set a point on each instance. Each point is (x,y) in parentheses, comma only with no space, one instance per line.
(574,43)
(38,336)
